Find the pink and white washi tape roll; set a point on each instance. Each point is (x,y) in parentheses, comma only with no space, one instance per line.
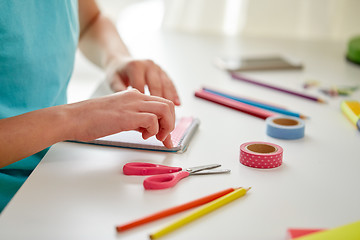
(261,155)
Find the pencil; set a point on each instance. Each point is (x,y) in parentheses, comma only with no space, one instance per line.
(248,80)
(248,99)
(209,207)
(257,104)
(173,210)
(242,107)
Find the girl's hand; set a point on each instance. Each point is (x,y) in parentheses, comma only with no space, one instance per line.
(141,73)
(123,111)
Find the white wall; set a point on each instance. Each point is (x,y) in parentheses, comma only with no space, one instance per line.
(304,19)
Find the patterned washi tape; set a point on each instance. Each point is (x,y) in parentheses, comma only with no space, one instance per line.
(285,127)
(261,155)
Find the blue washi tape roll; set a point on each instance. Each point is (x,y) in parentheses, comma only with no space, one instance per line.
(285,127)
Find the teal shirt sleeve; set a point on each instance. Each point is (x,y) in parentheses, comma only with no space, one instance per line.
(38,41)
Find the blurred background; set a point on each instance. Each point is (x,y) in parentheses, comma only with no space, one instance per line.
(325,24)
(301,19)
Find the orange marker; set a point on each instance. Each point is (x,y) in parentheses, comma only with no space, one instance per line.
(174,210)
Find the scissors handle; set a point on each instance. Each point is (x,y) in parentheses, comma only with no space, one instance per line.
(164,180)
(140,168)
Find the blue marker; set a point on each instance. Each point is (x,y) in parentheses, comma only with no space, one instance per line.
(257,104)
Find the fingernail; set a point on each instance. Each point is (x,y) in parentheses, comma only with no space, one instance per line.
(171,143)
(177,101)
(160,139)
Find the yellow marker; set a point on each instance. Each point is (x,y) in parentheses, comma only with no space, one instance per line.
(352,110)
(200,212)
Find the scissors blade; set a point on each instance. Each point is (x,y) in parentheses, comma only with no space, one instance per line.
(201,168)
(220,171)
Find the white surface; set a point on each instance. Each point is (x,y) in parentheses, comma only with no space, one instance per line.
(79,191)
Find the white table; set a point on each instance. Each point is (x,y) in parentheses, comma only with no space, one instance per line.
(79,192)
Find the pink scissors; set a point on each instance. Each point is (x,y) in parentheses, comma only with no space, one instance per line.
(166,176)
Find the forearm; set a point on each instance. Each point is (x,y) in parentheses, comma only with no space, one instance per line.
(29,133)
(26,134)
(101,43)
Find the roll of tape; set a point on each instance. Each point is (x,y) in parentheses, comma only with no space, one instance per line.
(285,127)
(261,155)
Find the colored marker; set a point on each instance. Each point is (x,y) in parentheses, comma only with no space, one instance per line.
(174,210)
(257,104)
(200,212)
(248,80)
